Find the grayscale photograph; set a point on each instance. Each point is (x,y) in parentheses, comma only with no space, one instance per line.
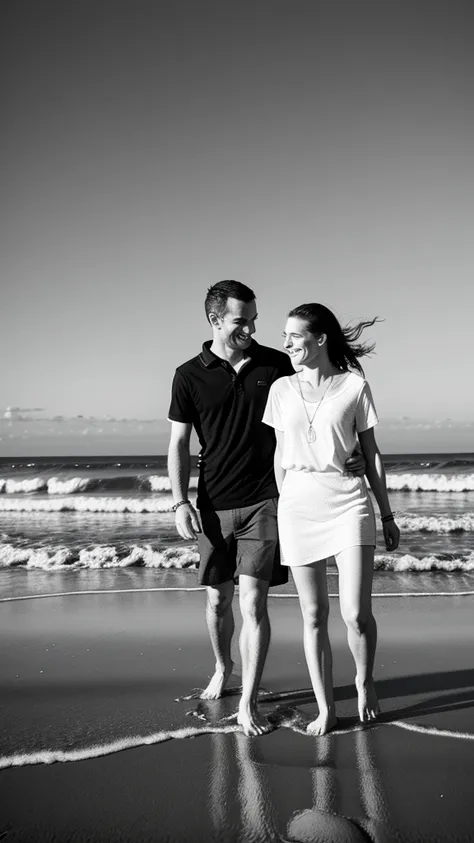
(236,421)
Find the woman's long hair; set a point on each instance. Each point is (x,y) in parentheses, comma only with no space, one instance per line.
(343,349)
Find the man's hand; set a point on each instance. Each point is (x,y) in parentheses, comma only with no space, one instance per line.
(187,521)
(391,534)
(355,464)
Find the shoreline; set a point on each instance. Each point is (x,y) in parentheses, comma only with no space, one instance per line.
(80,675)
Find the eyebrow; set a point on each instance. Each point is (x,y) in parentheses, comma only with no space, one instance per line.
(291,334)
(241,319)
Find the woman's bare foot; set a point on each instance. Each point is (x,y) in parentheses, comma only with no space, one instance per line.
(323,724)
(368,703)
(217,684)
(253,723)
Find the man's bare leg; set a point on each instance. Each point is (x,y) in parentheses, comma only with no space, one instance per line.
(220,623)
(254,641)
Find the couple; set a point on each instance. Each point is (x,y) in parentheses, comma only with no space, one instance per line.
(280,468)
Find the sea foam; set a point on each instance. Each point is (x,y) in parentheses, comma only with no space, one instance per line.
(430,482)
(436,523)
(433,562)
(87,503)
(99,557)
(61,558)
(72,485)
(161,483)
(26,485)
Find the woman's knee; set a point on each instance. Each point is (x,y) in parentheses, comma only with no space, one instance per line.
(315,615)
(357,619)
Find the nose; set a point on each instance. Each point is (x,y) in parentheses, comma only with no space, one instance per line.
(287,343)
(250,328)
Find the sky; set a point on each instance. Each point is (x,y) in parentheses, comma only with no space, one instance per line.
(316,151)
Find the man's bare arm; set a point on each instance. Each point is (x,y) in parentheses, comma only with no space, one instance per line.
(179,469)
(279,471)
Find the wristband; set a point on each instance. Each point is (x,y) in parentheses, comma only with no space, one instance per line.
(389,517)
(177,505)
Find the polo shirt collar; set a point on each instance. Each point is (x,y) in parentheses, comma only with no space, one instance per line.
(208,358)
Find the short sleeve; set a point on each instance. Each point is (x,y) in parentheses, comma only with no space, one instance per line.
(366,414)
(272,414)
(182,406)
(286,369)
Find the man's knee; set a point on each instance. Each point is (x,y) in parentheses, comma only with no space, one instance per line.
(219,598)
(253,601)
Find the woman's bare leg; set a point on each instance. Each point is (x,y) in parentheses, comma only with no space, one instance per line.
(355,565)
(311,584)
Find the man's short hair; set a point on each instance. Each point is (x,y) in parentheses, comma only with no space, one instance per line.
(217,295)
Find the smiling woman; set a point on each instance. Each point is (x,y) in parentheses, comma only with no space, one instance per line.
(309,323)
(318,415)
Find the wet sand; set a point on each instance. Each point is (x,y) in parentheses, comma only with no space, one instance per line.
(82,673)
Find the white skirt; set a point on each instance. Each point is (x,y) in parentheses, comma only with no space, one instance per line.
(322,513)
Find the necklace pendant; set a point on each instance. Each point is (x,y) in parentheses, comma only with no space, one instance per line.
(311,435)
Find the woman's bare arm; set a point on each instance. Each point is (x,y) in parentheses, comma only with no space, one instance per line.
(375,473)
(374,470)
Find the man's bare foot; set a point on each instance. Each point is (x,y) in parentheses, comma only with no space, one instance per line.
(217,683)
(253,723)
(323,724)
(367,703)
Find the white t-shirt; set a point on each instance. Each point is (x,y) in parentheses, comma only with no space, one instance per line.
(346,409)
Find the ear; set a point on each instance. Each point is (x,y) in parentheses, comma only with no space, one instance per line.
(214,319)
(322,339)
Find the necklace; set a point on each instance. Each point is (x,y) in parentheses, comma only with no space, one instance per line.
(311,434)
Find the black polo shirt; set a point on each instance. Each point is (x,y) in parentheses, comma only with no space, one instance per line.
(226,408)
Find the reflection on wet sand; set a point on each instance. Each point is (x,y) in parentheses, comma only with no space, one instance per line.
(253,816)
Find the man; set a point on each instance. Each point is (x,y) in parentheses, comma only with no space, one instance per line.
(222,393)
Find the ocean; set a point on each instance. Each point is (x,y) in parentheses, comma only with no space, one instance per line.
(106,514)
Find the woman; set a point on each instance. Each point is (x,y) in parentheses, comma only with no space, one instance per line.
(318,413)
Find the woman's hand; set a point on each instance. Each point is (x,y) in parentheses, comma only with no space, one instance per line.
(391,534)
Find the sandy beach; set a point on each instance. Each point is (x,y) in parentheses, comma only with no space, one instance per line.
(96,683)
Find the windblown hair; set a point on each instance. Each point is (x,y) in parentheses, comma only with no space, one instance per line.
(217,295)
(343,349)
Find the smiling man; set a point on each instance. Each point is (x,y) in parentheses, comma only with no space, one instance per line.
(222,393)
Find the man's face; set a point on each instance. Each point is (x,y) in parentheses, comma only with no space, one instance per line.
(236,327)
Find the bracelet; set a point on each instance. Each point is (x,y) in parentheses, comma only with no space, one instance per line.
(389,517)
(177,505)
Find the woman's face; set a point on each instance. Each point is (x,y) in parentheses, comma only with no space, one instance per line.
(302,346)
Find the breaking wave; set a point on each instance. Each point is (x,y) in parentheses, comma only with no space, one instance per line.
(62,558)
(436,523)
(71,485)
(74,485)
(434,562)
(87,503)
(430,482)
